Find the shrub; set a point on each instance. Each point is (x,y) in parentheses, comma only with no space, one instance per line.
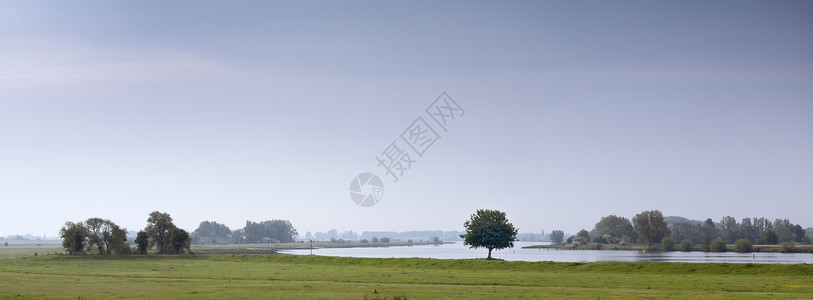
(706,246)
(743,245)
(717,245)
(686,245)
(788,247)
(668,244)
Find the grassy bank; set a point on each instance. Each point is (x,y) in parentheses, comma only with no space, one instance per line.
(289,276)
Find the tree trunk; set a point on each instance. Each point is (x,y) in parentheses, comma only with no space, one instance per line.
(489,252)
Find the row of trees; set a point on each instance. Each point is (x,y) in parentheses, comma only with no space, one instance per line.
(105,237)
(94,234)
(650,227)
(272,231)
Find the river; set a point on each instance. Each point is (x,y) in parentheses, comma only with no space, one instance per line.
(458,251)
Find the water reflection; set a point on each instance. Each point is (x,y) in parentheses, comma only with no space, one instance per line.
(458,251)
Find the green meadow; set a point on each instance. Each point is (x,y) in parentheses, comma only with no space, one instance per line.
(225,276)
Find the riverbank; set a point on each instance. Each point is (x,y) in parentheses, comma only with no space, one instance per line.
(695,248)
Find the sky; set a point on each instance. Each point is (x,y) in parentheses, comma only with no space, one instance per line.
(257,110)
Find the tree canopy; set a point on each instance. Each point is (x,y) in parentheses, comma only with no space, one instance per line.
(280,231)
(160,229)
(94,234)
(74,237)
(615,226)
(651,227)
(211,233)
(489,229)
(557,236)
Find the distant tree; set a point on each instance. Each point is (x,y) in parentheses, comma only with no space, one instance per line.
(785,230)
(706,245)
(686,245)
(374,240)
(718,245)
(583,234)
(788,247)
(798,232)
(728,229)
(277,230)
(743,245)
(5,244)
(687,231)
(180,240)
(74,237)
(106,236)
(489,229)
(238,237)
(142,242)
(668,244)
(211,233)
(385,240)
(557,236)
(436,240)
(364,241)
(615,226)
(747,230)
(769,237)
(651,227)
(94,229)
(709,230)
(160,228)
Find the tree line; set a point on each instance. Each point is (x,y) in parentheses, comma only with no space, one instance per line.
(650,227)
(271,231)
(105,237)
(102,236)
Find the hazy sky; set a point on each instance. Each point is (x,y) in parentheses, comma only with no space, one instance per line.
(263,110)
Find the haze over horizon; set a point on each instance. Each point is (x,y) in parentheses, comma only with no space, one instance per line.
(267,110)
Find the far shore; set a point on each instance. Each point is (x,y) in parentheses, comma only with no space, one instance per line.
(641,247)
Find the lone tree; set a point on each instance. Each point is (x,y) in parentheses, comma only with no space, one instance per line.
(489,229)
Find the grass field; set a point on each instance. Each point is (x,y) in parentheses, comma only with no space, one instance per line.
(314,277)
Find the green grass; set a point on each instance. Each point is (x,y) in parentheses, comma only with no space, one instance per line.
(20,249)
(314,277)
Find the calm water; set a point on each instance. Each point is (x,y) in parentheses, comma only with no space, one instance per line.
(458,251)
